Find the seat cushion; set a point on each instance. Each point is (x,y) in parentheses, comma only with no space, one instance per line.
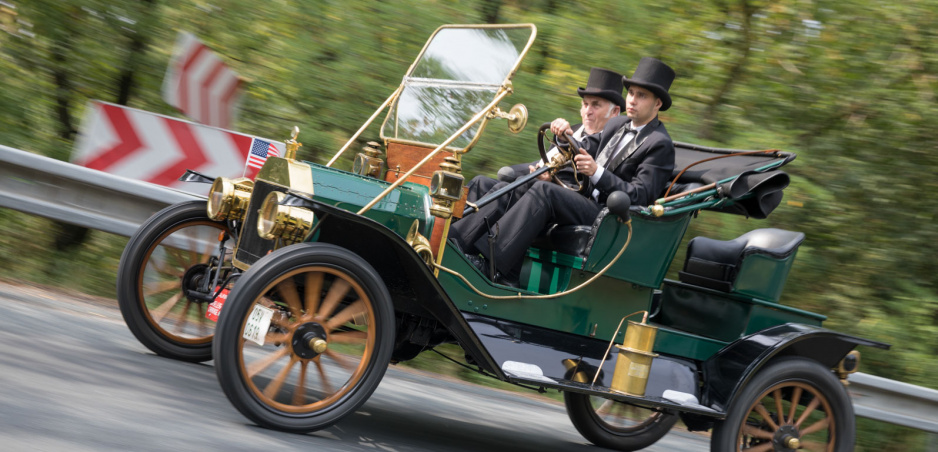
(567,239)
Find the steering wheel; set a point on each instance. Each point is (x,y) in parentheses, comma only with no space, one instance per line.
(568,147)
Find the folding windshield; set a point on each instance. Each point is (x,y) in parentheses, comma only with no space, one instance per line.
(458,73)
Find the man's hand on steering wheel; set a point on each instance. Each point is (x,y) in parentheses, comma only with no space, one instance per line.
(585,164)
(560,126)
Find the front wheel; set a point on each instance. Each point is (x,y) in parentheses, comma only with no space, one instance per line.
(616,425)
(792,404)
(167,264)
(304,338)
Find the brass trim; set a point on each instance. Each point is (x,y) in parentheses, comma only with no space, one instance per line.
(292,174)
(498,98)
(419,243)
(505,85)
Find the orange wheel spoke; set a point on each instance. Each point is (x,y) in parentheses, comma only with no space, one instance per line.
(260,365)
(277,338)
(807,411)
(161,286)
(274,386)
(766,417)
(756,432)
(299,394)
(183,318)
(350,312)
(815,445)
(326,386)
(760,448)
(161,268)
(795,398)
(191,253)
(313,292)
(349,337)
(164,308)
(287,290)
(777,394)
(337,292)
(339,359)
(817,426)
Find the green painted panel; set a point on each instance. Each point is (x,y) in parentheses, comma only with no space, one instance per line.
(351,192)
(654,243)
(687,345)
(763,276)
(599,306)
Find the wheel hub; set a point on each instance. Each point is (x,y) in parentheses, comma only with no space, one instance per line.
(191,282)
(309,340)
(787,438)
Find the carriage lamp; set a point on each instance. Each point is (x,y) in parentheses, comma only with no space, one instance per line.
(848,365)
(289,223)
(228,198)
(369,162)
(446,187)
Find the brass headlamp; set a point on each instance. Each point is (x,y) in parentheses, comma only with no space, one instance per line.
(446,187)
(228,198)
(369,162)
(289,223)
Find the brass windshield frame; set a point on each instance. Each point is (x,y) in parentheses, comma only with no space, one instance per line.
(505,86)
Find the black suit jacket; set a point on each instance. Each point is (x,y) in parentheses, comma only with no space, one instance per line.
(642,169)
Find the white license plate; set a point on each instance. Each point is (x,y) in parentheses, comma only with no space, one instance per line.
(258,322)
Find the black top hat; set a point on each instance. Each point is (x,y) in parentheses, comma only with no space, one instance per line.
(606,84)
(654,76)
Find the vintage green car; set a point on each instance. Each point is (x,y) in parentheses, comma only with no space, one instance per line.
(320,277)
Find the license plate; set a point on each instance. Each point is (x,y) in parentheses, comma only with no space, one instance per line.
(214,308)
(258,323)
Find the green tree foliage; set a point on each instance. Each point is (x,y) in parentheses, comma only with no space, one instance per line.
(849,86)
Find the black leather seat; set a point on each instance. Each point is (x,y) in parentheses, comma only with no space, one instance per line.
(714,264)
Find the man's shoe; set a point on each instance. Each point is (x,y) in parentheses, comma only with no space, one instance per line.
(482,264)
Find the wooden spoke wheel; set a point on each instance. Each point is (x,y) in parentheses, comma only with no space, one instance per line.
(792,404)
(164,269)
(616,425)
(305,337)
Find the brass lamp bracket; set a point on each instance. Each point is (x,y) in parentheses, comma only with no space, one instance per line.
(292,144)
(517,117)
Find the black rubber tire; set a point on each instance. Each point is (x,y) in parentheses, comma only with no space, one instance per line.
(192,338)
(268,398)
(590,424)
(789,376)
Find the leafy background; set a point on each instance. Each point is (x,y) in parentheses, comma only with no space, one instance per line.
(847,85)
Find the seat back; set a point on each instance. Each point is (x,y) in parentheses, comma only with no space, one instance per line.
(755,264)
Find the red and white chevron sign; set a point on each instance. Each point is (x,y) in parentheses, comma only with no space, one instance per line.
(200,85)
(154,148)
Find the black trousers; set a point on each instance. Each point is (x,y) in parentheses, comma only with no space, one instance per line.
(518,219)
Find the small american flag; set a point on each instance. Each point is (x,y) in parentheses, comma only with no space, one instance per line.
(260,150)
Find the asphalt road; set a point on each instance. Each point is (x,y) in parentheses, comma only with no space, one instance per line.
(72,377)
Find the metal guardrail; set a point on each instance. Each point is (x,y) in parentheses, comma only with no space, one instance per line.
(894,402)
(74,194)
(62,191)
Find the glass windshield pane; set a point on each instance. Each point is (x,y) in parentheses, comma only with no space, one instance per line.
(482,55)
(459,72)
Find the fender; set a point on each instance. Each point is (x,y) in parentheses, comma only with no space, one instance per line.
(728,371)
(413,286)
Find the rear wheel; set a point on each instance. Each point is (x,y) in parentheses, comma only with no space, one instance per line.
(792,404)
(616,425)
(170,257)
(304,338)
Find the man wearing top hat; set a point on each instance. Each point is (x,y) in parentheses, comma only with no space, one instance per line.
(634,154)
(601,101)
